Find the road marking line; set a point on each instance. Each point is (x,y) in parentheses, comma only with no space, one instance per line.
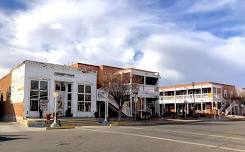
(165,139)
(186,132)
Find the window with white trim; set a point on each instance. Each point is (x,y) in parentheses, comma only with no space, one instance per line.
(84,98)
(38,91)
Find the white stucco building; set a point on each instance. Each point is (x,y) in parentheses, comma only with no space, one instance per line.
(33,84)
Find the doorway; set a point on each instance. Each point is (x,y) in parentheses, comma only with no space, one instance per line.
(64,98)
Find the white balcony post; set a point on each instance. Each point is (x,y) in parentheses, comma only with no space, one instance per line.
(201,101)
(212,93)
(175,110)
(187,96)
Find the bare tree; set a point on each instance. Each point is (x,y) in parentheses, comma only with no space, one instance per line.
(120,87)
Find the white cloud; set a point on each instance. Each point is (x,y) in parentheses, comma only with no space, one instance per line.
(210,5)
(232,50)
(62,31)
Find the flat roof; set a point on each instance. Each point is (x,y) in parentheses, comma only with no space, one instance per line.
(195,83)
(38,62)
(128,68)
(86,64)
(141,70)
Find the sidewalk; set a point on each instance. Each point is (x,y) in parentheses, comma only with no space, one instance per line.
(16,127)
(131,122)
(235,117)
(153,122)
(76,122)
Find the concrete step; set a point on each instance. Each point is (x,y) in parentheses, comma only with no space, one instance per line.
(79,122)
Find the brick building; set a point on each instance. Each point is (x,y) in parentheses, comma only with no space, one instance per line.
(147,95)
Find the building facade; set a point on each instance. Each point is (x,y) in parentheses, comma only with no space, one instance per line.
(203,97)
(146,97)
(27,91)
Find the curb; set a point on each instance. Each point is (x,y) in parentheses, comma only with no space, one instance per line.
(61,127)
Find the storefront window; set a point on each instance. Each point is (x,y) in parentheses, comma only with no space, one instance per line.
(88,89)
(43,85)
(80,106)
(84,98)
(34,85)
(80,88)
(38,91)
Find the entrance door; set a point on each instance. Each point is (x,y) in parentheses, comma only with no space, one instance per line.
(61,99)
(68,112)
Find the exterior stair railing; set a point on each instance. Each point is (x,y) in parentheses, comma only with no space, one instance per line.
(102,96)
(229,109)
(223,107)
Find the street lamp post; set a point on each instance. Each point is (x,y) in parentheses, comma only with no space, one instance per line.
(135,108)
(242,108)
(106,109)
(55,124)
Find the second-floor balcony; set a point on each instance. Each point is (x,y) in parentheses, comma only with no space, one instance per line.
(190,96)
(148,88)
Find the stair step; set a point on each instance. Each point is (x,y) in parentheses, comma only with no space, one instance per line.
(79,122)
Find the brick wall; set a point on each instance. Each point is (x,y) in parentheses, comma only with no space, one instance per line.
(12,109)
(105,71)
(231,90)
(101,70)
(5,83)
(8,109)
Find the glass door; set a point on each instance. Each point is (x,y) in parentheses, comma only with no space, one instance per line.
(61,99)
(69,99)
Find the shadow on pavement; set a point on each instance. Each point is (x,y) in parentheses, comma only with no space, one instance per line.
(10,137)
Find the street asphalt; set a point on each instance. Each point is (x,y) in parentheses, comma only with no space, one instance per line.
(227,136)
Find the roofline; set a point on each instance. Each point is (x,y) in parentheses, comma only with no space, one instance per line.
(141,70)
(197,83)
(86,64)
(117,67)
(98,65)
(112,67)
(24,62)
(5,76)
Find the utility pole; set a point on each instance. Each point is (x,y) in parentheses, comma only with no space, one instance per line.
(194,102)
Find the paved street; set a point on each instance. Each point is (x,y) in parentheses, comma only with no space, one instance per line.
(200,137)
(16,127)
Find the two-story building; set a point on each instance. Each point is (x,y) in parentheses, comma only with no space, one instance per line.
(27,91)
(204,97)
(146,97)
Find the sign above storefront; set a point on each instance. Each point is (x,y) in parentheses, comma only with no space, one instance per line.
(64,74)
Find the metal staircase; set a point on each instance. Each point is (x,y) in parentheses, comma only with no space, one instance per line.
(229,109)
(224,106)
(103,95)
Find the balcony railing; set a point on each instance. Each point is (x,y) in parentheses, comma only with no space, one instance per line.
(190,96)
(148,88)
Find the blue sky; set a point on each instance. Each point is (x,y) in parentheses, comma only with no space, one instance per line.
(185,40)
